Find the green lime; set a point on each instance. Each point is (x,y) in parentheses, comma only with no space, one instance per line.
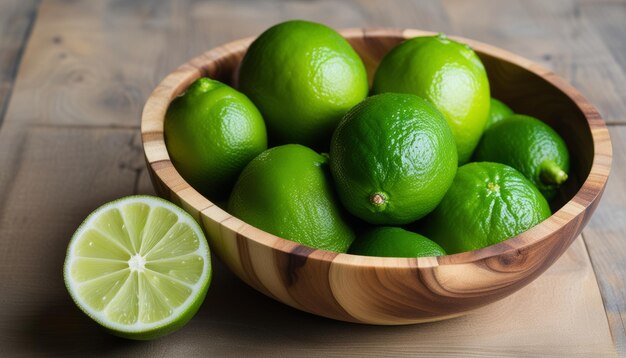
(446,73)
(138,266)
(530,146)
(394,242)
(392,157)
(486,204)
(497,112)
(211,133)
(303,77)
(287,191)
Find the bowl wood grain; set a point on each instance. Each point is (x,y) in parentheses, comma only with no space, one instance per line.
(396,290)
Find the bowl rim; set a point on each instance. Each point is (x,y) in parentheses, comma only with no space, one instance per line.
(157,158)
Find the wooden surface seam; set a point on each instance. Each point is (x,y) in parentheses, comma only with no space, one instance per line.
(16,23)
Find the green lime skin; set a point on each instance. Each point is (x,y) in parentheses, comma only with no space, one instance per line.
(304,77)
(211,133)
(448,74)
(486,204)
(530,146)
(392,158)
(497,112)
(388,241)
(287,191)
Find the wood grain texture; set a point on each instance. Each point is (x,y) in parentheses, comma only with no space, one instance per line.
(16,20)
(81,53)
(84,43)
(605,237)
(72,65)
(607,18)
(397,291)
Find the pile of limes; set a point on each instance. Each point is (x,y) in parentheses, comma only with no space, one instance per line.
(349,172)
(349,169)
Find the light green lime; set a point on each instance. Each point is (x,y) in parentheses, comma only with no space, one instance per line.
(138,266)
(389,241)
(497,112)
(304,77)
(449,75)
(211,133)
(287,191)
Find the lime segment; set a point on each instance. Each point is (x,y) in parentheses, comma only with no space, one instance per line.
(139,266)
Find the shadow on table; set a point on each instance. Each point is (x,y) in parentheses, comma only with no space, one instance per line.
(234,319)
(60,329)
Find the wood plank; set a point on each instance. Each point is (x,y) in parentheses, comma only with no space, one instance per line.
(555,34)
(559,313)
(605,241)
(16,19)
(57,176)
(70,143)
(608,18)
(99,65)
(102,59)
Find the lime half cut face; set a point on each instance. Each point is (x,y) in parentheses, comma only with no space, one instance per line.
(139,266)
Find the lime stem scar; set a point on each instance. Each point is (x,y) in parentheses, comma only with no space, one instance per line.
(551,173)
(493,187)
(377,199)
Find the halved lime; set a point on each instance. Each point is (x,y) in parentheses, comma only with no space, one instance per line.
(139,266)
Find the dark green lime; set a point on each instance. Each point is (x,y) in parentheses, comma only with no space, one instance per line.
(530,146)
(394,242)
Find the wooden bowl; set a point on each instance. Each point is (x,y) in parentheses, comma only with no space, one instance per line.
(394,291)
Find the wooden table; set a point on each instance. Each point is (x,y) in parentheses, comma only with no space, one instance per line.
(74,76)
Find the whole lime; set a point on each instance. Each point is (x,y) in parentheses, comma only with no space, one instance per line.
(389,241)
(304,77)
(211,133)
(392,158)
(486,204)
(530,146)
(448,74)
(287,191)
(497,112)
